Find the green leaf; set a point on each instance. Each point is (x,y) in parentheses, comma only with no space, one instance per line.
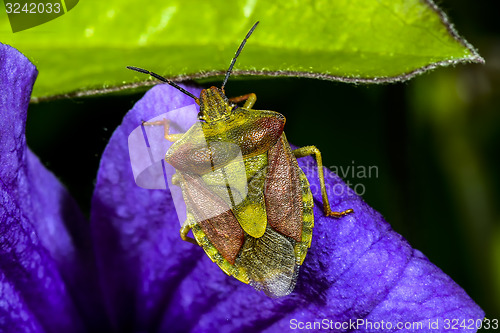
(86,50)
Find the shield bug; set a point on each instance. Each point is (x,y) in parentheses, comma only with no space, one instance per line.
(248,203)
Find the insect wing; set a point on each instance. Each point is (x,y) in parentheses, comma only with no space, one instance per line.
(216,165)
(272,261)
(283,191)
(213,215)
(148,147)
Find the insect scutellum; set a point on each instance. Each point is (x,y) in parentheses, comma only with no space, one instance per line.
(213,102)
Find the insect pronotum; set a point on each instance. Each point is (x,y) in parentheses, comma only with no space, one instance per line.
(260,229)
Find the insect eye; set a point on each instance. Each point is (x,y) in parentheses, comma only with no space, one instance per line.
(200,116)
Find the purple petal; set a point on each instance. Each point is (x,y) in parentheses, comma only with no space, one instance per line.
(45,257)
(358,268)
(136,231)
(65,234)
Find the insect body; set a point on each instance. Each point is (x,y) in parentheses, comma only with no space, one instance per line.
(253,215)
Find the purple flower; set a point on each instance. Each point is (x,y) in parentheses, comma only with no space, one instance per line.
(359,275)
(48,280)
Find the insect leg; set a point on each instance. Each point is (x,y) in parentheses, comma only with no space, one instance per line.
(312,150)
(176,180)
(166,126)
(184,231)
(249,98)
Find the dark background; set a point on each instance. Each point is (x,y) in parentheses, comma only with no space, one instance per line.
(433,140)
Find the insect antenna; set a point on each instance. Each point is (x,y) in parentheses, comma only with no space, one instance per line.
(161,78)
(228,73)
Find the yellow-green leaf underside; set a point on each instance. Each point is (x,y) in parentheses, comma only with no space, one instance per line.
(86,50)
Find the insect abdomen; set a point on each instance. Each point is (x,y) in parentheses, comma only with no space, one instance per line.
(248,267)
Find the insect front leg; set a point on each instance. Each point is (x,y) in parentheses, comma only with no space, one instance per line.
(249,98)
(166,126)
(184,231)
(312,150)
(176,179)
